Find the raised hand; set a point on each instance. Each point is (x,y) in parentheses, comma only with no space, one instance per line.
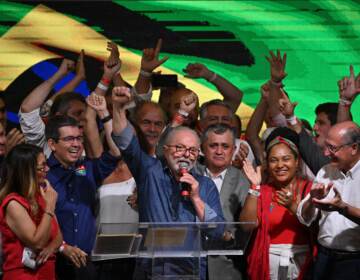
(97,102)
(330,204)
(319,190)
(150,58)
(80,67)
(113,64)
(197,70)
(66,66)
(121,96)
(277,66)
(240,156)
(13,138)
(349,87)
(188,102)
(253,176)
(286,107)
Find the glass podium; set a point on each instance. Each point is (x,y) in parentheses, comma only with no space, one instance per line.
(170,250)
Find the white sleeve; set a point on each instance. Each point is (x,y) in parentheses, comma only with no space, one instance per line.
(33,127)
(142,96)
(299,212)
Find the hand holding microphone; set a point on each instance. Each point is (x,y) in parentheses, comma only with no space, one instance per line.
(189,187)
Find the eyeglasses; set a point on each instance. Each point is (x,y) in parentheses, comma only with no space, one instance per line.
(334,149)
(72,139)
(182,149)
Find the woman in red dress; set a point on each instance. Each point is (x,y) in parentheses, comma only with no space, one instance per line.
(280,245)
(30,233)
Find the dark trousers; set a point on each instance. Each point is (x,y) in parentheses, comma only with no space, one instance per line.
(65,270)
(336,265)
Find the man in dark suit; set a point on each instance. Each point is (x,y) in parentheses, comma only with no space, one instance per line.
(218,146)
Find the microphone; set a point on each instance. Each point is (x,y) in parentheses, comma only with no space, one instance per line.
(185,188)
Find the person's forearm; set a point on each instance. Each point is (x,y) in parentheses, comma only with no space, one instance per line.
(253,129)
(38,96)
(308,211)
(232,95)
(249,213)
(119,81)
(143,82)
(343,113)
(94,145)
(273,102)
(119,120)
(350,212)
(199,208)
(114,150)
(69,87)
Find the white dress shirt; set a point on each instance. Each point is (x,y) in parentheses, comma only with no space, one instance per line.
(335,230)
(218,180)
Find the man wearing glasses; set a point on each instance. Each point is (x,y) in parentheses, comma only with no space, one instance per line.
(158,181)
(76,180)
(336,198)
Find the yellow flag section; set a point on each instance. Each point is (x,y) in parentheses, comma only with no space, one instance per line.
(19,50)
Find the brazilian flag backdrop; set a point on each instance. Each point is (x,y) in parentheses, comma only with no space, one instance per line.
(320,37)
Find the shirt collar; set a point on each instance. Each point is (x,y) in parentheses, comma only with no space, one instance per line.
(220,176)
(353,170)
(54,162)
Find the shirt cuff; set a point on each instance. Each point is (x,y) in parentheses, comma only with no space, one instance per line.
(142,96)
(300,216)
(123,140)
(209,214)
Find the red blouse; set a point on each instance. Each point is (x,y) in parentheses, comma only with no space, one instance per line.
(13,247)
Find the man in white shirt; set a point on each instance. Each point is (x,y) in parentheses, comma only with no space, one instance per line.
(218,146)
(336,199)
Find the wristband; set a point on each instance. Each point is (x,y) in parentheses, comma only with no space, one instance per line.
(278,84)
(62,247)
(50,214)
(178,119)
(292,120)
(255,187)
(183,113)
(345,102)
(213,77)
(145,73)
(254,193)
(106,119)
(102,86)
(105,81)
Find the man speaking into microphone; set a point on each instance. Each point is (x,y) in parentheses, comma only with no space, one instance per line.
(159,181)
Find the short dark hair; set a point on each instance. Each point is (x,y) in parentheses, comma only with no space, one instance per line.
(55,123)
(330,109)
(352,136)
(62,102)
(213,102)
(219,129)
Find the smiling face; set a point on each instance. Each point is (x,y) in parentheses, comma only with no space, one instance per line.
(69,147)
(282,164)
(181,147)
(218,150)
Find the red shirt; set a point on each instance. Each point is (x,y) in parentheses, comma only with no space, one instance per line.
(13,247)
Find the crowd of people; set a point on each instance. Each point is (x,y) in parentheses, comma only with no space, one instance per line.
(292,186)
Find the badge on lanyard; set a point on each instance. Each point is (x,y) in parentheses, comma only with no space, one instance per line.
(81,171)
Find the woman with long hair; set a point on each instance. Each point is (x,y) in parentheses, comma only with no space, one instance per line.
(280,246)
(30,233)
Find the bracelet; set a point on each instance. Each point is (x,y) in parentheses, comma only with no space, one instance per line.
(254,193)
(183,113)
(278,84)
(50,214)
(255,187)
(178,119)
(292,120)
(62,247)
(213,77)
(105,81)
(102,86)
(106,119)
(145,73)
(345,102)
